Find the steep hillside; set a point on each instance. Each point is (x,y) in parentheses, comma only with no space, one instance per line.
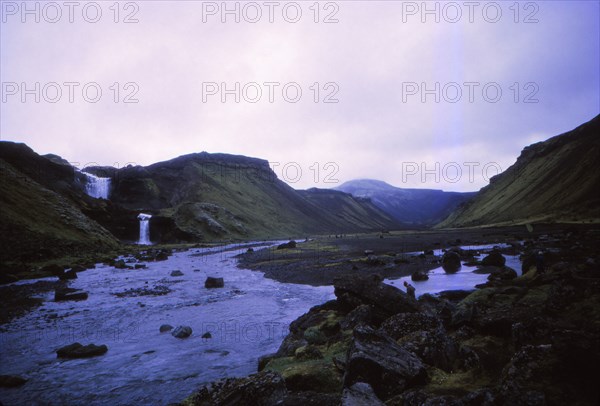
(38,223)
(552,181)
(409,206)
(361,213)
(214,196)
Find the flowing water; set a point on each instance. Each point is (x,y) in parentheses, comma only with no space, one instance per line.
(144,229)
(247,318)
(97,187)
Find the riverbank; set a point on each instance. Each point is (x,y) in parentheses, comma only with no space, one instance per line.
(320,260)
(527,340)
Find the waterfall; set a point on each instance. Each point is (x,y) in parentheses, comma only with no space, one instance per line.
(144,228)
(97,187)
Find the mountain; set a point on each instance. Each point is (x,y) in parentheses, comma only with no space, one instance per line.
(40,209)
(408,206)
(556,180)
(350,209)
(46,212)
(204,196)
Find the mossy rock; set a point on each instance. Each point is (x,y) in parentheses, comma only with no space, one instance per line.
(443,383)
(536,297)
(312,375)
(314,335)
(481,295)
(308,352)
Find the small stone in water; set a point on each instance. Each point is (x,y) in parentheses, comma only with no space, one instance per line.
(165,327)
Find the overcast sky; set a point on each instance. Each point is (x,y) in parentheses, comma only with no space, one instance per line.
(385,63)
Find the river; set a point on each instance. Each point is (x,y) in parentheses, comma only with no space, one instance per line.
(247,318)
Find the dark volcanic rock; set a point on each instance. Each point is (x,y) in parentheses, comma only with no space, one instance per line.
(494,259)
(11,381)
(64,294)
(504,274)
(364,315)
(165,327)
(53,269)
(263,388)
(212,283)
(357,290)
(176,273)
(182,332)
(68,275)
(360,394)
(77,350)
(376,359)
(451,261)
(287,245)
(403,324)
(419,276)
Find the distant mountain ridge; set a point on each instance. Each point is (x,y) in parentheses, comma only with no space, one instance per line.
(556,180)
(409,206)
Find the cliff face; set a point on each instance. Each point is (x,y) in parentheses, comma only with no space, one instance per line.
(552,181)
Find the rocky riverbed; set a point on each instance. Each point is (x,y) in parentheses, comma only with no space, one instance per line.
(53,352)
(531,339)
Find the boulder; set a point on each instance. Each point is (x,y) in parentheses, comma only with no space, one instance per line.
(71,274)
(493,259)
(487,270)
(120,264)
(451,261)
(177,272)
(362,315)
(433,346)
(419,276)
(77,350)
(207,335)
(53,269)
(504,274)
(139,266)
(287,245)
(523,377)
(403,324)
(308,352)
(360,394)
(64,294)
(212,282)
(182,332)
(264,360)
(162,256)
(263,388)
(354,291)
(528,262)
(165,327)
(376,359)
(11,381)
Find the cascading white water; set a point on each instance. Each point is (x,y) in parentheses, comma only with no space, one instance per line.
(144,228)
(97,187)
